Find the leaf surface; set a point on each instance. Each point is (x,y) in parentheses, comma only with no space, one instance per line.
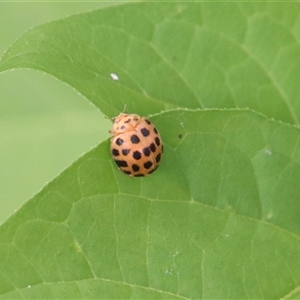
(220,217)
(214,226)
(166,55)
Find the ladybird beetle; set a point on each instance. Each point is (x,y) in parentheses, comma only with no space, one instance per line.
(136,145)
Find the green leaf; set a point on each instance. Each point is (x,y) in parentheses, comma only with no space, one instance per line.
(208,55)
(214,221)
(220,216)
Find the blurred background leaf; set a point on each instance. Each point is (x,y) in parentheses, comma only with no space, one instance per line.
(44,124)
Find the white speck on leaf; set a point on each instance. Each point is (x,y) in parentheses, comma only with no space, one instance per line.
(114,76)
(268,151)
(169,271)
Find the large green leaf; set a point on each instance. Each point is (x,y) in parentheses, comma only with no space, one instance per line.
(181,55)
(220,217)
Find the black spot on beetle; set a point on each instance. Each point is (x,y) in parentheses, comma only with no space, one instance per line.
(146,151)
(139,175)
(147,121)
(157,141)
(127,121)
(152,147)
(136,155)
(121,163)
(148,165)
(115,152)
(126,172)
(155,130)
(135,139)
(125,151)
(122,127)
(135,168)
(145,132)
(152,170)
(157,158)
(119,141)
